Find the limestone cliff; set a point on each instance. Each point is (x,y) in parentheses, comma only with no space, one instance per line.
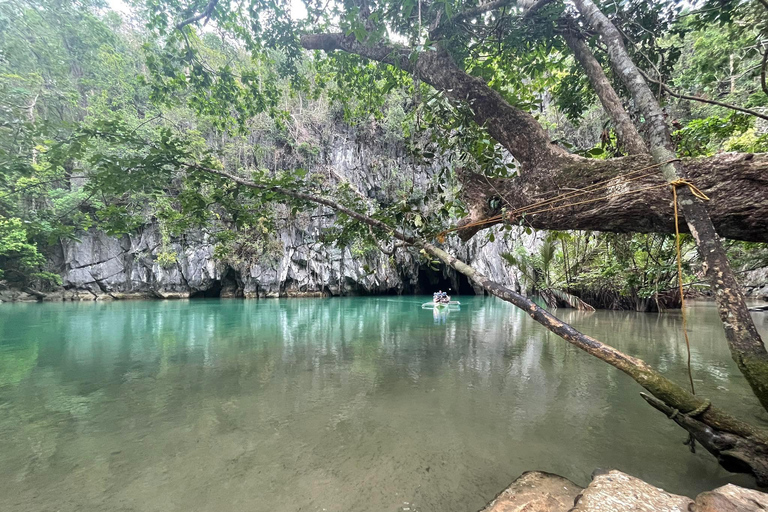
(101,266)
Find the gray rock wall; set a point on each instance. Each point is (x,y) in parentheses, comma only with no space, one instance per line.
(755,283)
(101,266)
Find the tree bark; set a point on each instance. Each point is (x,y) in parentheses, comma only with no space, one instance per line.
(738,205)
(629,137)
(749,445)
(745,344)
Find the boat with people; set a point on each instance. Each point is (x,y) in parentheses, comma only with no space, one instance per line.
(441,300)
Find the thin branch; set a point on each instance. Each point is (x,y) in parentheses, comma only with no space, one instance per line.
(466,14)
(76,207)
(436,23)
(763,67)
(205,14)
(480,9)
(536,8)
(438,29)
(702,100)
(158,116)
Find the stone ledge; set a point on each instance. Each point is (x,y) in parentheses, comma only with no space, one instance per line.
(536,491)
(614,491)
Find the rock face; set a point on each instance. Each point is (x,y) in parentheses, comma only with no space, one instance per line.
(615,491)
(536,491)
(99,266)
(755,283)
(730,498)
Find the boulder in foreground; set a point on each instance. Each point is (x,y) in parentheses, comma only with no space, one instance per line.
(614,491)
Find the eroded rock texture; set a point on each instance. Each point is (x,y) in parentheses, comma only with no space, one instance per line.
(614,491)
(99,265)
(536,491)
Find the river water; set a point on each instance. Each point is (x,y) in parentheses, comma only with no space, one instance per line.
(358,404)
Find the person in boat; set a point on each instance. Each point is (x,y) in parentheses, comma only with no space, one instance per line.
(441,298)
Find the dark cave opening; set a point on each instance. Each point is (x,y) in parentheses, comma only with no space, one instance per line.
(430,281)
(214,292)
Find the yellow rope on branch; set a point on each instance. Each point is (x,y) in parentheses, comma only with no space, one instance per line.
(701,195)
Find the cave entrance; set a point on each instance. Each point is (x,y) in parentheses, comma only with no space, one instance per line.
(450,281)
(214,292)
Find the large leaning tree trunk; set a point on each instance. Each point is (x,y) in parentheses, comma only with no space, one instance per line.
(737,445)
(745,344)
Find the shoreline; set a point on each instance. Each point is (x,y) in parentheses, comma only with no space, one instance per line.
(14,295)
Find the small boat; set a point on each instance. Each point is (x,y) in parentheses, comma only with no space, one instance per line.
(453,304)
(440,300)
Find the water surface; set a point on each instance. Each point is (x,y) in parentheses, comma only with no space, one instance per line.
(364,404)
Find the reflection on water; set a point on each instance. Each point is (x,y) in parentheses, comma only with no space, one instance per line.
(337,405)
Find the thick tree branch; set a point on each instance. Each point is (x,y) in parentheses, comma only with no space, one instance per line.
(626,132)
(744,342)
(753,442)
(513,128)
(738,206)
(397,56)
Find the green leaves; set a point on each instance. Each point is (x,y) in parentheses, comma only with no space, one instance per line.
(20,260)
(703,137)
(573,93)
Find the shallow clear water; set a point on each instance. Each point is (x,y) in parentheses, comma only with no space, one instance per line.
(364,404)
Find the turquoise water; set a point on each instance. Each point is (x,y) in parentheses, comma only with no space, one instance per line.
(360,404)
